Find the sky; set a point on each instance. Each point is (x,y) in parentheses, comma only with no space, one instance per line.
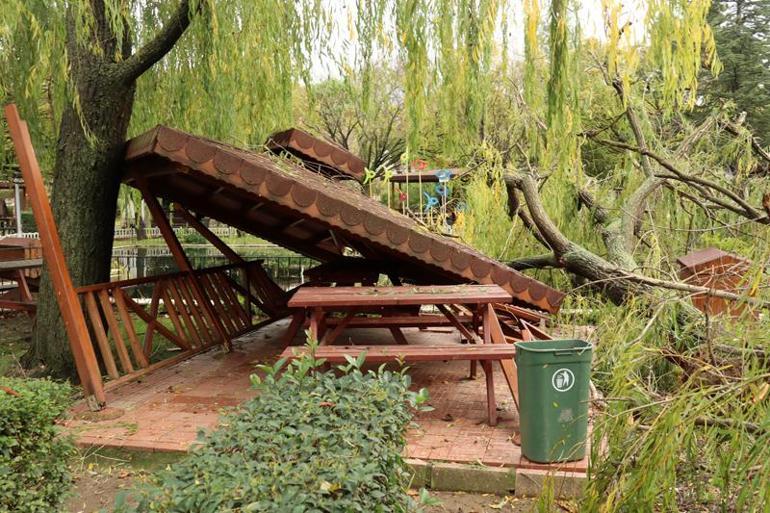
(342,42)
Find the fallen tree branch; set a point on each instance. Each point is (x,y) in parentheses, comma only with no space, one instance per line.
(747,210)
(535,262)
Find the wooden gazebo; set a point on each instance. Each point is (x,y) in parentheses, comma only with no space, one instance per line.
(296,203)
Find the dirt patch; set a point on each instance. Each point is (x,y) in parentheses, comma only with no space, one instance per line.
(100,476)
(458,502)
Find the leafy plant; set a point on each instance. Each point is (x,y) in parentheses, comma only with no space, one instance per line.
(34,473)
(311,441)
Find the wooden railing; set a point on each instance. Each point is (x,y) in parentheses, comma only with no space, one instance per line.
(191,310)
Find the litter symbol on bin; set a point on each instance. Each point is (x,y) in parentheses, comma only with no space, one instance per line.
(562,380)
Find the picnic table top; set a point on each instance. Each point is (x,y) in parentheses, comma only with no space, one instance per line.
(402,295)
(14,265)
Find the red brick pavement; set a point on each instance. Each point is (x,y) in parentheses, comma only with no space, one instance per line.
(165,410)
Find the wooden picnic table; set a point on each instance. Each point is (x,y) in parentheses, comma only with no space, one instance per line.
(320,301)
(389,302)
(13,270)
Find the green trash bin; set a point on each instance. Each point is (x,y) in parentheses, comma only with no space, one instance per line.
(554,378)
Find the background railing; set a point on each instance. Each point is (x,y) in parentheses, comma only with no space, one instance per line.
(154,232)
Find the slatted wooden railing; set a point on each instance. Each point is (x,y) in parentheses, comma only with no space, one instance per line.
(203,307)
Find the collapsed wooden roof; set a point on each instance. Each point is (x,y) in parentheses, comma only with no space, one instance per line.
(299,209)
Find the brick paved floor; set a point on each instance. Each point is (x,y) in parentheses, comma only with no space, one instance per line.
(165,410)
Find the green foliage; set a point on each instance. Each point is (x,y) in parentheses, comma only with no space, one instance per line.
(311,441)
(740,29)
(192,237)
(686,423)
(34,472)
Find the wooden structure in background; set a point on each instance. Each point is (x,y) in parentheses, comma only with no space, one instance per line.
(20,261)
(295,205)
(715,269)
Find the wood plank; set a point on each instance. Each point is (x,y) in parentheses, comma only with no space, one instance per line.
(231,305)
(192,333)
(207,234)
(215,301)
(408,353)
(535,331)
(128,323)
(159,216)
(509,366)
(6,304)
(171,310)
(24,293)
(490,382)
(128,378)
(225,284)
(117,337)
(404,295)
(69,304)
(101,336)
(160,328)
(315,320)
(154,304)
(338,329)
(403,321)
(297,319)
(19,265)
(124,284)
(207,334)
(464,331)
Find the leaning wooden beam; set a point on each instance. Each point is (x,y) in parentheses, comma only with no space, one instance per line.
(496,336)
(72,313)
(207,234)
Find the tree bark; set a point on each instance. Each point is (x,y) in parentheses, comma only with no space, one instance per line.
(87,167)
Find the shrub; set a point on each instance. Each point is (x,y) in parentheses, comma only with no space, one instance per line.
(34,457)
(310,441)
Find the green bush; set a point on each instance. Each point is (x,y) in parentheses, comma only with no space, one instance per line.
(310,441)
(34,456)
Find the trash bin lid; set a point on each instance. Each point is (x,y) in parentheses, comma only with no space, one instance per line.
(564,346)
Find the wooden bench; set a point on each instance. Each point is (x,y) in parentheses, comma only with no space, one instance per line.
(485,353)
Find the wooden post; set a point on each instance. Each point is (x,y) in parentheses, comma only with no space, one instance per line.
(72,313)
(181,258)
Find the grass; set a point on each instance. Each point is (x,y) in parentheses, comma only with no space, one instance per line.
(14,340)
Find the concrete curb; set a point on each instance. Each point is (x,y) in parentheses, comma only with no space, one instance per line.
(521,482)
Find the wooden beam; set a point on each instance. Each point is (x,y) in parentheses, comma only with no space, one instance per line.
(207,234)
(72,313)
(492,324)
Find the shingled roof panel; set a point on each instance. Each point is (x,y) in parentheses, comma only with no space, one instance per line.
(167,158)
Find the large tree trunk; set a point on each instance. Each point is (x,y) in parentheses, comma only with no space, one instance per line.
(84,192)
(90,149)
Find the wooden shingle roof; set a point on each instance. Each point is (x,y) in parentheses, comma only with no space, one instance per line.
(306,212)
(329,158)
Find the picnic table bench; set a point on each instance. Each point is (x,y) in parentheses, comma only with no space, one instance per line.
(461,306)
(486,354)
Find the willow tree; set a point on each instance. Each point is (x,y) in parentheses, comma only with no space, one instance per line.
(89,73)
(636,86)
(79,69)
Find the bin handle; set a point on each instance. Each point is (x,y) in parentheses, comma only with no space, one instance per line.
(569,352)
